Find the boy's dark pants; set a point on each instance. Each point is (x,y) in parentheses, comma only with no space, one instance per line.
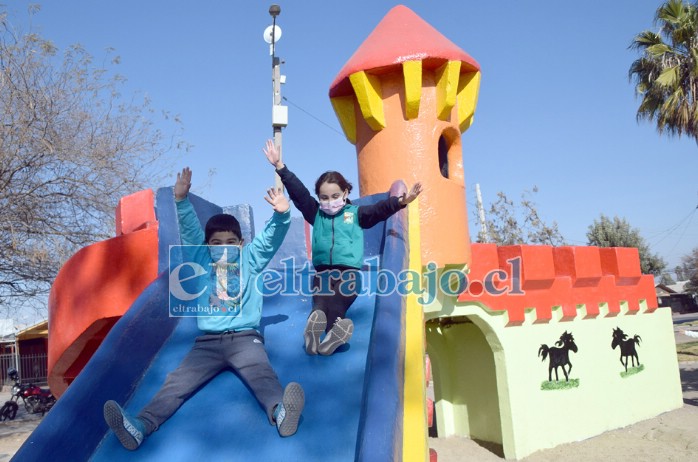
(242,351)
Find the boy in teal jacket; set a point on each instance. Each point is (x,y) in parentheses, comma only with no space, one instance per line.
(233,308)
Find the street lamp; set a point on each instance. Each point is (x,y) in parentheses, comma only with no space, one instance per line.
(279,113)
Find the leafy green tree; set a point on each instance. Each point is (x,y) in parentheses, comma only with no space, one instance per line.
(617,232)
(666,74)
(70,147)
(509,223)
(689,270)
(666,279)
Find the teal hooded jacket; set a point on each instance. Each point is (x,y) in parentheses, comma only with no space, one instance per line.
(244,309)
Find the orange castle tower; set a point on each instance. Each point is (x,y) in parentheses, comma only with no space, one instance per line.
(403,99)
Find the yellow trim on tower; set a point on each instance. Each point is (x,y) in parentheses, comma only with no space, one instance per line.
(368,94)
(468,91)
(414,421)
(412,72)
(344,109)
(446,88)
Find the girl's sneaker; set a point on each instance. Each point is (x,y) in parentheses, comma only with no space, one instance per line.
(338,336)
(129,430)
(317,322)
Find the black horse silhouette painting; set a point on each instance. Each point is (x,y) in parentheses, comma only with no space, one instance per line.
(559,356)
(627,347)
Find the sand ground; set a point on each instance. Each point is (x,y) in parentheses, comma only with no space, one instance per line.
(14,432)
(672,436)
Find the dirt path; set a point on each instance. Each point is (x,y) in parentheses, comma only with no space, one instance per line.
(13,433)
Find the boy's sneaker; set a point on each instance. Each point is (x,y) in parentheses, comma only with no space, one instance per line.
(317,322)
(338,336)
(288,412)
(129,430)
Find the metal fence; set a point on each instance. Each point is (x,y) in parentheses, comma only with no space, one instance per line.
(31,368)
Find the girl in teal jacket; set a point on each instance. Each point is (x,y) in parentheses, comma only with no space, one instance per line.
(337,246)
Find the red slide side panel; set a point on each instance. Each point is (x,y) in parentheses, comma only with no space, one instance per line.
(96,286)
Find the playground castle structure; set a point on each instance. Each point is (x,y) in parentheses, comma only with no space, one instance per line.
(404,99)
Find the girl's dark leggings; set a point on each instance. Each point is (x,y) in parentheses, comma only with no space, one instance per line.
(337,290)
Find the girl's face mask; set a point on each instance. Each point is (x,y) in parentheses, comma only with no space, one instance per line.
(334,206)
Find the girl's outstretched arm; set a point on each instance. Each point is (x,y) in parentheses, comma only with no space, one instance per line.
(412,194)
(299,194)
(370,215)
(273,155)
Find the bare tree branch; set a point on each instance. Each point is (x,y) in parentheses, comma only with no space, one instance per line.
(70,147)
(511,224)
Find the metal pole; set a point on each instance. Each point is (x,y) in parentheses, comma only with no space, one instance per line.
(274,10)
(276,77)
(481,214)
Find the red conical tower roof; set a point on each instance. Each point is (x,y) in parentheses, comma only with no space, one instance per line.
(401,36)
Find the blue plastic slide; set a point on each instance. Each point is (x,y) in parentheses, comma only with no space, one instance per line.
(353,398)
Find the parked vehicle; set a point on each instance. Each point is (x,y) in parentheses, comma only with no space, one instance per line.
(35,399)
(9,409)
(38,400)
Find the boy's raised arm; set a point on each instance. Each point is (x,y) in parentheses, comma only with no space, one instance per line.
(277,200)
(265,244)
(182,184)
(189,226)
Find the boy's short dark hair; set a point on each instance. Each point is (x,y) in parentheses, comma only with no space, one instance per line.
(222,222)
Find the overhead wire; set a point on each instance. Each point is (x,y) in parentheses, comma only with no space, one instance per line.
(664,234)
(312,116)
(678,241)
(670,231)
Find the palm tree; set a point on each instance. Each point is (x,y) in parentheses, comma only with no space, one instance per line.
(666,75)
